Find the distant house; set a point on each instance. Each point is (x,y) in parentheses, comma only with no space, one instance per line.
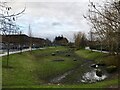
(60,40)
(16,41)
(38,42)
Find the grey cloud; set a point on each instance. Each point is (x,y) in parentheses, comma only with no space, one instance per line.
(51,18)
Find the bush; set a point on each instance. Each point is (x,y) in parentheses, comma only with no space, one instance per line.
(111,69)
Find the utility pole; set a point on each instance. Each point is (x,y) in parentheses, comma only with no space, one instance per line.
(30,37)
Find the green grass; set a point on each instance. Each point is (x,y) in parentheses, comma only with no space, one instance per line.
(89,54)
(19,71)
(103,84)
(99,57)
(34,69)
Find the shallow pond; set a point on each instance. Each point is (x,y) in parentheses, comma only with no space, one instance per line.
(91,77)
(88,76)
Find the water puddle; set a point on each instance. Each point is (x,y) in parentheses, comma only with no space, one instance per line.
(91,77)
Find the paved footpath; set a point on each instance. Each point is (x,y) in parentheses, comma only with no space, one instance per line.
(100,51)
(87,48)
(44,48)
(24,50)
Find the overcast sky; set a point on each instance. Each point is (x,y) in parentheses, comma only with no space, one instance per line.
(50,19)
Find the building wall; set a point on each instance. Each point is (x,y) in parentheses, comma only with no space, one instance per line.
(17,41)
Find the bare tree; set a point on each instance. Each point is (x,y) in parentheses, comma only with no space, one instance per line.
(7,23)
(80,40)
(105,21)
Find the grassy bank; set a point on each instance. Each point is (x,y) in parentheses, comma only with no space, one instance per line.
(99,57)
(35,69)
(107,59)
